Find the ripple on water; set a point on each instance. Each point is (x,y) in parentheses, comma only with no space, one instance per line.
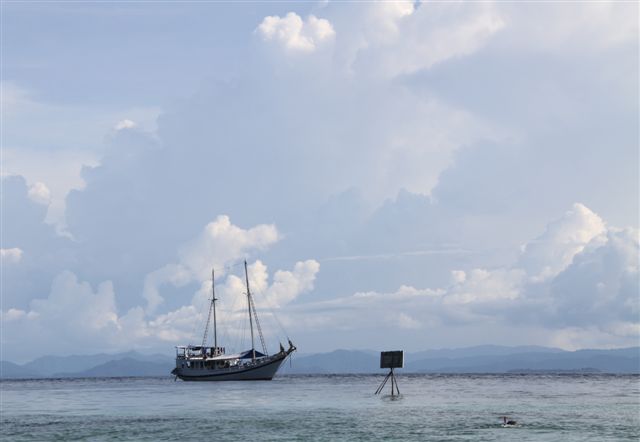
(431,407)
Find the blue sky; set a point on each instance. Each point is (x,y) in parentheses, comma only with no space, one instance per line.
(417,174)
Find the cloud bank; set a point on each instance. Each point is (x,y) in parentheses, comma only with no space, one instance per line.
(76,318)
(578,275)
(416,151)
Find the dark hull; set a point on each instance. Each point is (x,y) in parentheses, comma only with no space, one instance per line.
(260,371)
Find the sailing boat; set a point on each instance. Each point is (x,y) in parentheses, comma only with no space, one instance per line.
(202,363)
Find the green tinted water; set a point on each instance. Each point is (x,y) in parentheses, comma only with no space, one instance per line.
(431,408)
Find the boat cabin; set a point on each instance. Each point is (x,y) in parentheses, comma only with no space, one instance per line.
(194,352)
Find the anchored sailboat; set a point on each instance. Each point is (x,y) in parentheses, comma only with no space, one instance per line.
(202,363)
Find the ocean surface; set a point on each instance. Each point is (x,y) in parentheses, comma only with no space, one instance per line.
(319,408)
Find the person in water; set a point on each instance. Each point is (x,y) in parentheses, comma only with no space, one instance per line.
(508,422)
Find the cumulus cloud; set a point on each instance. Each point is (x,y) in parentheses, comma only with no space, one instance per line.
(125,124)
(75,308)
(442,32)
(12,255)
(12,314)
(309,146)
(77,318)
(398,38)
(70,319)
(481,286)
(25,225)
(28,239)
(60,170)
(271,293)
(219,244)
(590,281)
(294,33)
(40,193)
(554,250)
(287,285)
(600,287)
(593,287)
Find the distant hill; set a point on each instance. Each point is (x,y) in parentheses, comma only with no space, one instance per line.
(127,367)
(135,364)
(9,370)
(338,361)
(480,350)
(481,359)
(48,366)
(602,360)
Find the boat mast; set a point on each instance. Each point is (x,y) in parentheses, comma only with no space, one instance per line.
(213,302)
(246,277)
(212,307)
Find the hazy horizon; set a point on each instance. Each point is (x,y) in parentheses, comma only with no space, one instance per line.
(303,353)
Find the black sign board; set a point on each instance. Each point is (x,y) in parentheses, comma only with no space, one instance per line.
(392,359)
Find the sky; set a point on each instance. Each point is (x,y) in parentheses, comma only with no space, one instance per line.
(397,174)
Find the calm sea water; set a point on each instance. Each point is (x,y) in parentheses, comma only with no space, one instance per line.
(431,408)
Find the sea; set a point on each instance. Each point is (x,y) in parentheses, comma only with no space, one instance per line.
(559,407)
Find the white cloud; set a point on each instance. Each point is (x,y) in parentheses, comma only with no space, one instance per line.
(600,287)
(439,32)
(287,285)
(273,297)
(125,124)
(40,193)
(392,38)
(271,293)
(175,327)
(75,307)
(222,242)
(403,320)
(553,251)
(383,20)
(593,286)
(73,318)
(51,143)
(219,244)
(387,39)
(76,318)
(61,170)
(12,255)
(12,314)
(480,285)
(294,33)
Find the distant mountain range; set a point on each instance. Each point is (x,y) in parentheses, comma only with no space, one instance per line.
(481,359)
(99,365)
